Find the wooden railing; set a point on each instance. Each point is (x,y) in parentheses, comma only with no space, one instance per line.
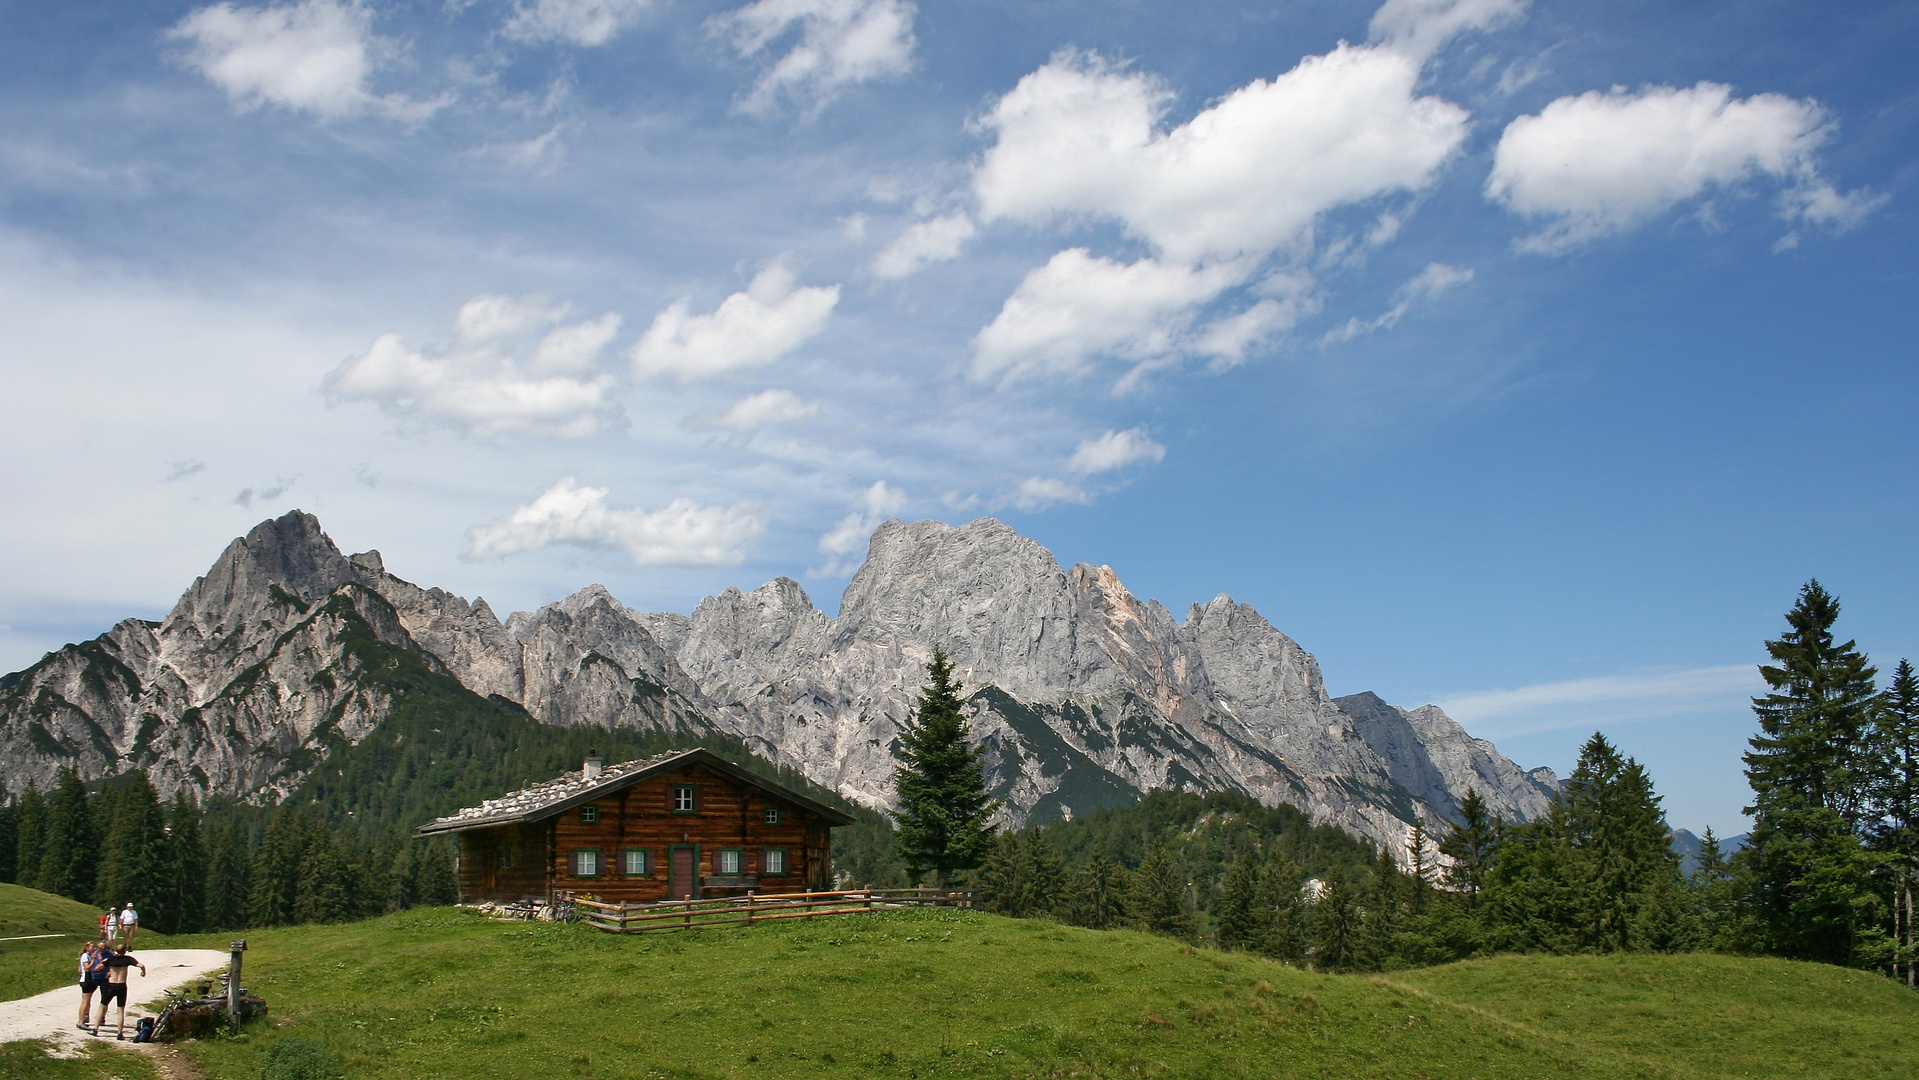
(630,918)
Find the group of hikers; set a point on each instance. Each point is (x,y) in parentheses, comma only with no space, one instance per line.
(103,970)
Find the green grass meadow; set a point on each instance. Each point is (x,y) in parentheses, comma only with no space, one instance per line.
(443,994)
(29,967)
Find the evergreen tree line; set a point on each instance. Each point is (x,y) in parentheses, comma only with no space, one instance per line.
(188,869)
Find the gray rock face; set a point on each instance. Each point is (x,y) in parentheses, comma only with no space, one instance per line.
(1082,694)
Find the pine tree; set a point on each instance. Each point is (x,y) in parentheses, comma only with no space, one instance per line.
(1419,868)
(1099,894)
(1022,877)
(133,865)
(1896,807)
(1159,899)
(1337,923)
(1713,895)
(1471,846)
(229,879)
(182,904)
(1808,877)
(1623,857)
(70,848)
(1239,922)
(30,825)
(435,882)
(943,804)
(275,872)
(1283,914)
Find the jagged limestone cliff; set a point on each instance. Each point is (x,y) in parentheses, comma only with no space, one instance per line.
(1083,695)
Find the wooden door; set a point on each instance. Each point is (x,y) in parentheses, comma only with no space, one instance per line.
(681,878)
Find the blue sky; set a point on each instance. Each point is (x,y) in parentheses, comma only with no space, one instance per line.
(1525,358)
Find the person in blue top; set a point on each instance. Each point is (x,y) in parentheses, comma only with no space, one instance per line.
(93,976)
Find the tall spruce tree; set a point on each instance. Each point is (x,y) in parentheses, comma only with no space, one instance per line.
(70,846)
(1624,859)
(181,906)
(943,803)
(133,863)
(1470,845)
(1238,922)
(30,826)
(1338,923)
(1099,894)
(229,878)
(1282,910)
(1160,902)
(434,881)
(1807,876)
(9,839)
(1023,876)
(1895,815)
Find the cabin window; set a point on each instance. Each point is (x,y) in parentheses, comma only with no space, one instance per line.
(773,861)
(586,863)
(772,815)
(638,862)
(685,798)
(728,861)
(503,861)
(589,815)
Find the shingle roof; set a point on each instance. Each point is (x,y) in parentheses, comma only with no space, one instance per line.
(572,788)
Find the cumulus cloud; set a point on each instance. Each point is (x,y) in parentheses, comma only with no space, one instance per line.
(1040,492)
(1245,179)
(765,409)
(841,43)
(477,384)
(576,22)
(1247,175)
(843,542)
(930,241)
(683,534)
(1080,305)
(1420,27)
(750,329)
(1603,162)
(1115,450)
(314,56)
(1425,286)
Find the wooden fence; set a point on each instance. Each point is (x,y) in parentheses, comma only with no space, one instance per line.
(629,918)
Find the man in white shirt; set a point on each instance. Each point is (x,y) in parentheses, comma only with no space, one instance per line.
(129,922)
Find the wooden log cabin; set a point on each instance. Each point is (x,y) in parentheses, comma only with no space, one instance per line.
(686,824)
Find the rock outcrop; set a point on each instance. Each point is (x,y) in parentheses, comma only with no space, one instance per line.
(1082,694)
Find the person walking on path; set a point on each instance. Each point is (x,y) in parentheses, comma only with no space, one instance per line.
(129,922)
(109,928)
(93,975)
(115,991)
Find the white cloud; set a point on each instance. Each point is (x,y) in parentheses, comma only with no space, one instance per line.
(842,43)
(1495,714)
(315,56)
(1247,176)
(924,242)
(683,534)
(1425,286)
(749,329)
(850,534)
(1603,162)
(576,22)
(1421,27)
(1078,306)
(1114,450)
(1040,492)
(476,383)
(764,409)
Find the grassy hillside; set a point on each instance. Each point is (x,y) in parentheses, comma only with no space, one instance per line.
(28,967)
(444,994)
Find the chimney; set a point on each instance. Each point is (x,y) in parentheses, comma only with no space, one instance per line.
(594,766)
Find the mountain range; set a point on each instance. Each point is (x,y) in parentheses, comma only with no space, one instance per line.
(1082,695)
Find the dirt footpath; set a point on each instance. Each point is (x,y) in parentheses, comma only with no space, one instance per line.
(51,1015)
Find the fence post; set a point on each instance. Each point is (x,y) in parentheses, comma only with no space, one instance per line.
(749,907)
(239,945)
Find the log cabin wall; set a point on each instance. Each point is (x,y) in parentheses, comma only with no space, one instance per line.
(728,816)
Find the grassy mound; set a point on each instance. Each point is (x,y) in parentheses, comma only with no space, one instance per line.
(41,963)
(444,994)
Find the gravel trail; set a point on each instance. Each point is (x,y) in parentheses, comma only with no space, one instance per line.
(51,1015)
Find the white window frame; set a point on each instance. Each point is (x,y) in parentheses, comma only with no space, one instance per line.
(580,859)
(771,855)
(724,855)
(644,857)
(772,815)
